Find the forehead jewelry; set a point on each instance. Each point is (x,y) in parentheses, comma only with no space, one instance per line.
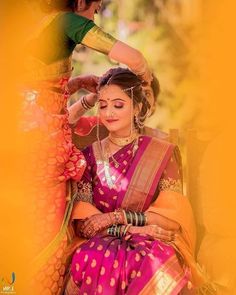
(109,80)
(131,89)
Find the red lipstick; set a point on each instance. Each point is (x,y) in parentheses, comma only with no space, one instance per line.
(111,120)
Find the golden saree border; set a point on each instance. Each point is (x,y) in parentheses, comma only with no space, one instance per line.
(71,288)
(99,40)
(97,152)
(98,156)
(51,248)
(144,174)
(162,282)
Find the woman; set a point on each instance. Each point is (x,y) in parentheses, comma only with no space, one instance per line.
(52,159)
(135,229)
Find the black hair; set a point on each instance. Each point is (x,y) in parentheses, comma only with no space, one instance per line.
(155,85)
(62,5)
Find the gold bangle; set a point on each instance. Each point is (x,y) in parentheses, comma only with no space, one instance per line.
(125,217)
(87,103)
(126,229)
(116,216)
(136,218)
(146,218)
(83,103)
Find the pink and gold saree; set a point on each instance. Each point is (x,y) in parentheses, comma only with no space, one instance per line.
(150,180)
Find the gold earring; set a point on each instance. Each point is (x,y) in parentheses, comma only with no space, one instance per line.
(138,122)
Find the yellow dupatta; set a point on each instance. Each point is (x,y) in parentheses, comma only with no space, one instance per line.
(176,207)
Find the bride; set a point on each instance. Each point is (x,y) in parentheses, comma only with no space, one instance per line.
(135,228)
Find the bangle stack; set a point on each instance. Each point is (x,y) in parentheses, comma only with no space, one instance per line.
(136,218)
(118,230)
(85,103)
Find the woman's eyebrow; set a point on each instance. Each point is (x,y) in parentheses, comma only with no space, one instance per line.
(114,99)
(118,99)
(103,100)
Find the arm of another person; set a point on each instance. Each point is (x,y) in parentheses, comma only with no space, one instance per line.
(133,58)
(77,109)
(84,31)
(101,41)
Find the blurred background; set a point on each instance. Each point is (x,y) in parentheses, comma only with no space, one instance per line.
(190,47)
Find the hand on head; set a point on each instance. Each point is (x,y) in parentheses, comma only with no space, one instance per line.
(87,82)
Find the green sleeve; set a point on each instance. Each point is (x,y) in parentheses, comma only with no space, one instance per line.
(76,26)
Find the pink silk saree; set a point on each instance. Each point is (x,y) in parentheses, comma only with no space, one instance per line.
(140,264)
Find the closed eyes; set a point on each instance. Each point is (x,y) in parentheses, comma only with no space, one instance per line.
(117,105)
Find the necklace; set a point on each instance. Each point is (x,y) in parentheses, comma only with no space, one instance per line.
(122,141)
(110,154)
(106,152)
(106,164)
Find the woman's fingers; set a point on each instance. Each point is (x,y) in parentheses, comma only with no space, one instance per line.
(87,228)
(92,225)
(88,232)
(91,83)
(88,82)
(163,237)
(162,234)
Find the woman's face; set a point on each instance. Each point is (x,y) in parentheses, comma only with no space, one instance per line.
(98,6)
(115,109)
(88,10)
(95,6)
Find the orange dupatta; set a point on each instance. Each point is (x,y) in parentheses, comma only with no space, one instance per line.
(176,207)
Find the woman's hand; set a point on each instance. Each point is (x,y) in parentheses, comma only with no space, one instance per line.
(154,231)
(76,110)
(95,224)
(88,82)
(99,222)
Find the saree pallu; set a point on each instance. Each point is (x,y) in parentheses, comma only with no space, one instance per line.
(136,264)
(52,160)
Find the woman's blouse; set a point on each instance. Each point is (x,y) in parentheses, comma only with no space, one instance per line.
(58,39)
(91,183)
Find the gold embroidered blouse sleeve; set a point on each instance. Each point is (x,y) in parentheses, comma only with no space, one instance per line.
(171,179)
(84,187)
(84,192)
(99,40)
